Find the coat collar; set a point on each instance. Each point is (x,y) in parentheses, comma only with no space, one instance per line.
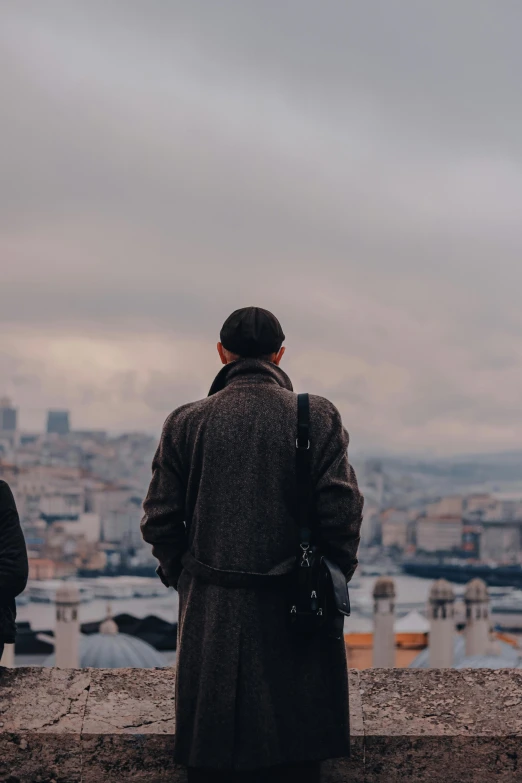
(250,370)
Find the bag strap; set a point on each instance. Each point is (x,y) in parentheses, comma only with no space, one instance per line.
(302,454)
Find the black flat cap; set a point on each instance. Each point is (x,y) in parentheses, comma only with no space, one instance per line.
(252,331)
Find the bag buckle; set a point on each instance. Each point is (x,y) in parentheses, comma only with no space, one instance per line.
(305,562)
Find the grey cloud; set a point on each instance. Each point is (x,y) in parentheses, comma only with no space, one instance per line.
(163,393)
(355,166)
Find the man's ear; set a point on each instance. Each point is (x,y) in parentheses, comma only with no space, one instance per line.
(221,352)
(279,355)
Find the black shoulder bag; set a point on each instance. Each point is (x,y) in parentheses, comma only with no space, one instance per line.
(319,592)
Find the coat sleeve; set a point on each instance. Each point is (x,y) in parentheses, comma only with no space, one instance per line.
(338,502)
(163,523)
(13,553)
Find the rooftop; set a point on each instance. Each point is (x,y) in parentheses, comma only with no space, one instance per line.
(413,622)
(115,651)
(505,656)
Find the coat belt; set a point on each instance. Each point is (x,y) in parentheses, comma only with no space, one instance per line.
(276,578)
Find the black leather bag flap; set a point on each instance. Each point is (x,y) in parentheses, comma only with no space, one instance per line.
(339,587)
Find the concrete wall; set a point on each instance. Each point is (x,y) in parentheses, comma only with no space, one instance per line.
(116,726)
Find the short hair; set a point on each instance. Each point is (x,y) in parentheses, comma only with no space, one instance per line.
(267,357)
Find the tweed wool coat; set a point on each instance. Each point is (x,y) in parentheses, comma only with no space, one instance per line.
(221,504)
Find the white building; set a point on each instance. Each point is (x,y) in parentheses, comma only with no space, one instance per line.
(501,542)
(105,499)
(394,528)
(65,502)
(87,525)
(437,534)
(451,506)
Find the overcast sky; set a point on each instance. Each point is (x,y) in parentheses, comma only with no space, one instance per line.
(354,166)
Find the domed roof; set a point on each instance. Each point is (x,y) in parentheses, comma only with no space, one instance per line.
(110,649)
(384,587)
(422,660)
(441,590)
(507,659)
(476,590)
(115,651)
(504,661)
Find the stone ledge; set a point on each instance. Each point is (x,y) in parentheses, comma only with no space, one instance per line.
(94,725)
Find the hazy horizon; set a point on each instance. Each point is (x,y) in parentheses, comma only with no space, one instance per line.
(354,167)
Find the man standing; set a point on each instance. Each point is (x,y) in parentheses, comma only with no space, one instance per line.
(13,565)
(253,700)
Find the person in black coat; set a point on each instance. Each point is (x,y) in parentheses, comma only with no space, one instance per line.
(13,564)
(253,700)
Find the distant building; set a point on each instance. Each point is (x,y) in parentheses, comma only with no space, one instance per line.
(96,435)
(477,505)
(8,416)
(58,422)
(471,537)
(504,509)
(501,542)
(41,568)
(122,525)
(394,525)
(66,502)
(451,506)
(439,534)
(371,526)
(87,524)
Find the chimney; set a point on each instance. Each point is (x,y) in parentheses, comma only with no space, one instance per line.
(441,614)
(67,633)
(383,622)
(476,600)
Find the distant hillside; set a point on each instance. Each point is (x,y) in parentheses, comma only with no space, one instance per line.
(469,468)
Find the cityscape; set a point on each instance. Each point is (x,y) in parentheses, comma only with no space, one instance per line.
(79,496)
(80,492)
(341,182)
